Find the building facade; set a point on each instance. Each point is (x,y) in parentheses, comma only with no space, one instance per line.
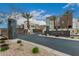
(66,20)
(51,22)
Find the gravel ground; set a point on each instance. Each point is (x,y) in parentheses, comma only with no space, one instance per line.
(26,50)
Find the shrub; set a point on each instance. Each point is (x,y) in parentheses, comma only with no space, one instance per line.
(56,35)
(4,48)
(35,50)
(2,41)
(72,37)
(19,41)
(4,38)
(4,45)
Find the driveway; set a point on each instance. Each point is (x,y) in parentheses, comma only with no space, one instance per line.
(62,45)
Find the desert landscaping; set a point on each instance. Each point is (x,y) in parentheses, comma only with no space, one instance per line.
(26,49)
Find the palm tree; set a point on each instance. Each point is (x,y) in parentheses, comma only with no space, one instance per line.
(27,16)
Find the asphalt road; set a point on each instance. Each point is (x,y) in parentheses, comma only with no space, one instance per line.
(62,45)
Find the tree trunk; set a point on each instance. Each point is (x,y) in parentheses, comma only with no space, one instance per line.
(28,25)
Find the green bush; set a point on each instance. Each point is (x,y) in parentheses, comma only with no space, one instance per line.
(19,41)
(4,48)
(72,37)
(35,50)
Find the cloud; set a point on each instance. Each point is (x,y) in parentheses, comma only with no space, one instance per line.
(67,5)
(71,5)
(20,20)
(39,14)
(39,22)
(38,17)
(45,16)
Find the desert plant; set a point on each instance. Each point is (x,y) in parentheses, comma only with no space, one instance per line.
(4,48)
(19,41)
(35,50)
(72,37)
(4,38)
(4,45)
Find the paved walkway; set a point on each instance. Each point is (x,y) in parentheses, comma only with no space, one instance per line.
(65,46)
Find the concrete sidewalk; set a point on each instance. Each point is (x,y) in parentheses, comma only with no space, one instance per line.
(67,38)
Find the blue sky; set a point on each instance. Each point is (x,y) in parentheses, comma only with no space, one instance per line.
(53,8)
(42,9)
(49,8)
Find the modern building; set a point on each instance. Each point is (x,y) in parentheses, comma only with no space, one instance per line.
(78,24)
(66,20)
(52,22)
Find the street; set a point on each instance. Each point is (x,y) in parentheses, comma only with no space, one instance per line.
(62,45)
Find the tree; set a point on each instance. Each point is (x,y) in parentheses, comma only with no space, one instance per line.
(27,16)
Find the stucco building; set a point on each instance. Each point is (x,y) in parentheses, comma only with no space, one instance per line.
(66,20)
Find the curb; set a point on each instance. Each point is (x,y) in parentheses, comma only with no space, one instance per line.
(57,53)
(61,38)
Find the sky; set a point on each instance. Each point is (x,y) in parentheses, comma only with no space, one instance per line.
(39,10)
